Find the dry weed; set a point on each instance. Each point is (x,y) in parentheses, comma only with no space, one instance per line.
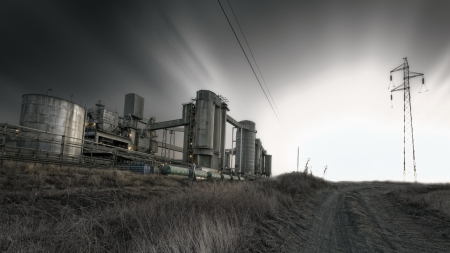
(52,209)
(433,197)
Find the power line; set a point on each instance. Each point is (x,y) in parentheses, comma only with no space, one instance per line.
(250,63)
(251,53)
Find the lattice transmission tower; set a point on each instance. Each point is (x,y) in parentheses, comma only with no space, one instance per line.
(409,156)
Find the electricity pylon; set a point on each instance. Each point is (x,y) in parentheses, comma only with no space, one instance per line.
(409,156)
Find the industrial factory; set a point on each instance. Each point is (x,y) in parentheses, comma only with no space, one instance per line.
(59,131)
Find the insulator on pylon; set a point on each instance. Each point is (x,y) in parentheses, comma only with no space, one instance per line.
(423,80)
(391,77)
(391,96)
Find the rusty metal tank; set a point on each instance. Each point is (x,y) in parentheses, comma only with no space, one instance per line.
(55,117)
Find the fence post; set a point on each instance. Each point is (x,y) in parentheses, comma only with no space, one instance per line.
(84,131)
(3,142)
(62,148)
(114,157)
(37,147)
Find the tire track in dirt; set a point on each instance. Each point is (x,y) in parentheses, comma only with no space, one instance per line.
(322,236)
(365,218)
(344,223)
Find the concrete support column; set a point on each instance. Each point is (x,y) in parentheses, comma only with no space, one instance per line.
(217,136)
(257,156)
(186,119)
(268,165)
(224,110)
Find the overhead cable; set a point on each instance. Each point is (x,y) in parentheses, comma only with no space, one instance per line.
(250,63)
(251,53)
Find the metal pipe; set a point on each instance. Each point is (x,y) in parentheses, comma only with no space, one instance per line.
(173,152)
(217,134)
(240,155)
(223,110)
(232,146)
(84,131)
(175,170)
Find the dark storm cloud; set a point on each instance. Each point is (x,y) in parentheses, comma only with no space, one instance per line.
(94,49)
(184,47)
(326,63)
(104,49)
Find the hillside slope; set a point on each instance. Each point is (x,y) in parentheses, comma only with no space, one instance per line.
(46,208)
(51,209)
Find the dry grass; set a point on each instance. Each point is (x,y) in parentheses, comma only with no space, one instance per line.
(53,209)
(430,196)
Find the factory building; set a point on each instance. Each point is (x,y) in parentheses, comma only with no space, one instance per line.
(55,127)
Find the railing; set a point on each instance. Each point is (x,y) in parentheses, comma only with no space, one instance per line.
(27,144)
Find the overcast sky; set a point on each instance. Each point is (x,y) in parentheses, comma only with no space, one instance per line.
(326,64)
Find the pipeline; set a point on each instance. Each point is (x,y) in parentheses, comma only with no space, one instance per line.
(175,170)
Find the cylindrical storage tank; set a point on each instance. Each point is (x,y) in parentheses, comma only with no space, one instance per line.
(204,128)
(227,160)
(226,177)
(261,164)
(53,115)
(202,174)
(204,116)
(223,114)
(217,137)
(216,175)
(258,156)
(268,165)
(245,158)
(175,170)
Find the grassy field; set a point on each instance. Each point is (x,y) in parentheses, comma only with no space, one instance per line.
(46,208)
(435,197)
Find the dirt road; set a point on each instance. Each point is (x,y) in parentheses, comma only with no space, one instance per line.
(368,218)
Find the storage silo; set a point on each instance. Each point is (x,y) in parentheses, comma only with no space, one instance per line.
(258,146)
(224,110)
(245,158)
(52,115)
(228,160)
(217,138)
(262,162)
(204,129)
(134,106)
(268,165)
